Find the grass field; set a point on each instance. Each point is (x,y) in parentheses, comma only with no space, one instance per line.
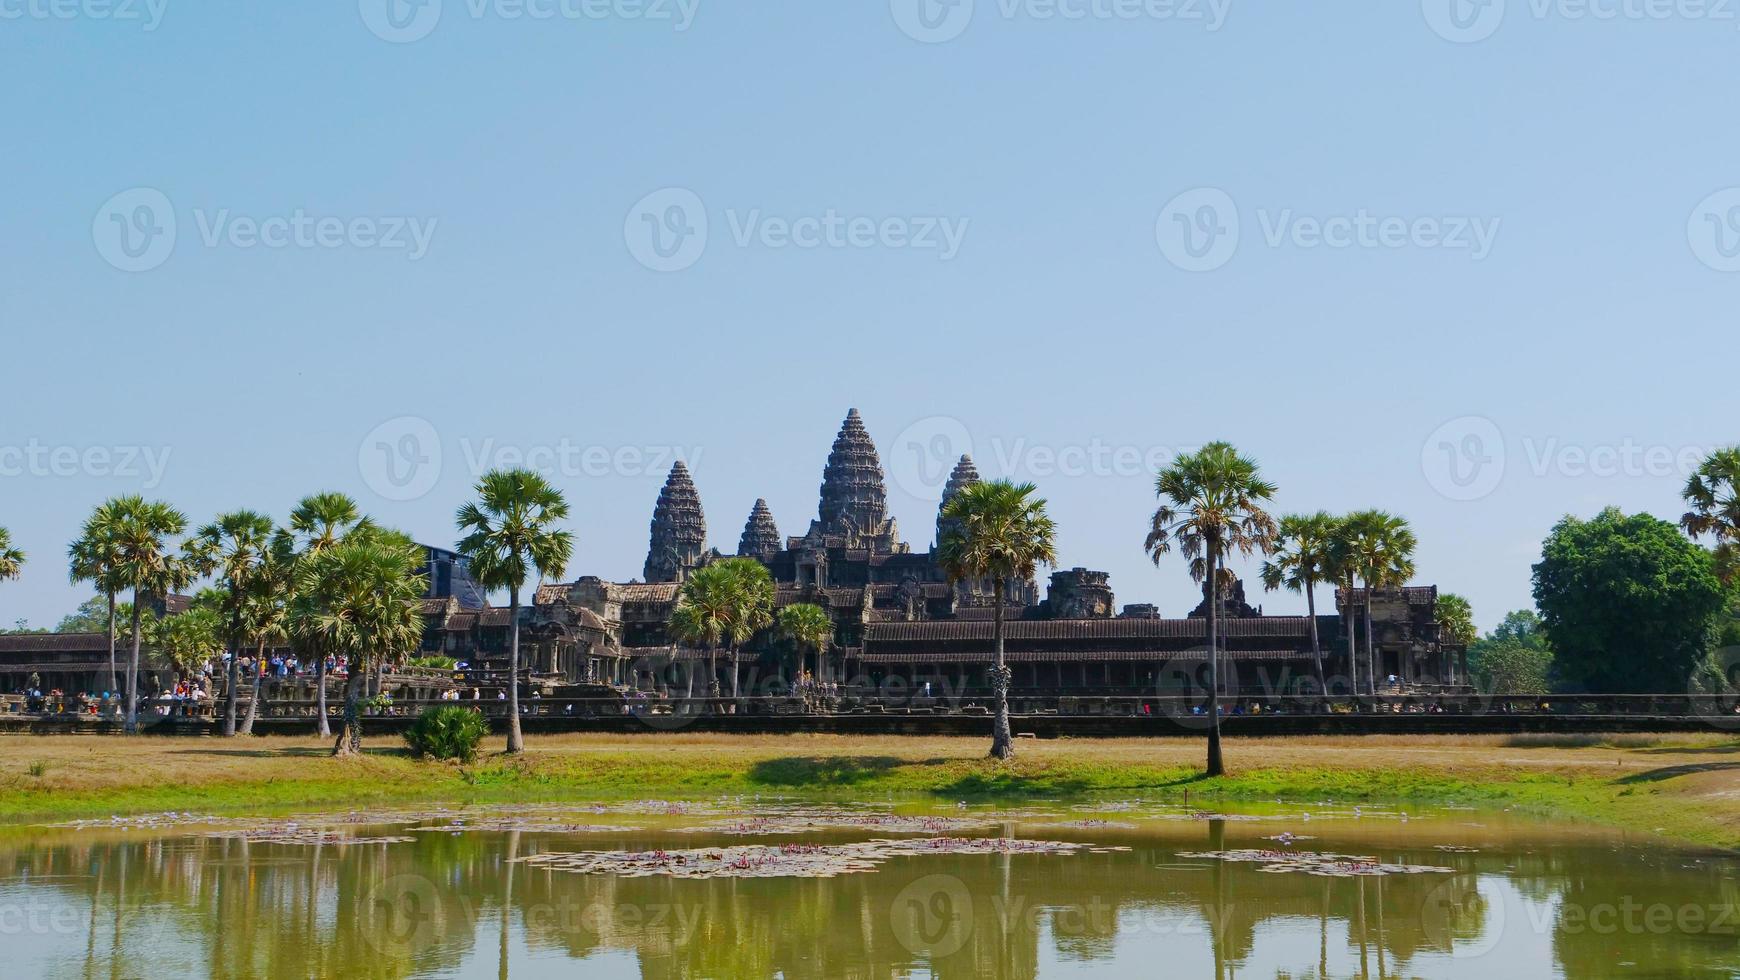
(1685,786)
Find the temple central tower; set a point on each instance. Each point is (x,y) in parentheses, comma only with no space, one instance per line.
(679,529)
(854,500)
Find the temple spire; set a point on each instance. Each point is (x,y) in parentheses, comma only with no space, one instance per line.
(760,534)
(679,529)
(854,499)
(965,475)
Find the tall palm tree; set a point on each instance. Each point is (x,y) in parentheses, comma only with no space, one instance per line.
(810,627)
(267,620)
(706,604)
(752,612)
(359,598)
(11,559)
(1299,563)
(1342,567)
(149,565)
(1212,508)
(1712,497)
(234,549)
(510,532)
(997,530)
(320,521)
(1383,551)
(95,558)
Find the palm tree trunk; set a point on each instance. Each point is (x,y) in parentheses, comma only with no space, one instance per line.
(233,673)
(131,722)
(516,742)
(1316,649)
(735,673)
(1216,766)
(712,674)
(1371,657)
(321,728)
(1347,627)
(113,682)
(1002,742)
(254,702)
(350,729)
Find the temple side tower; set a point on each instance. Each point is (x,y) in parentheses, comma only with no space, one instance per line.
(760,535)
(679,529)
(965,475)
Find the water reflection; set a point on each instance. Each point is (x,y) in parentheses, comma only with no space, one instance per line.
(1532,901)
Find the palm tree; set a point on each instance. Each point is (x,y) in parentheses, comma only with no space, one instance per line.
(1211,508)
(809,626)
(11,559)
(706,604)
(1299,562)
(1383,551)
(1000,531)
(95,558)
(1713,496)
(267,620)
(359,598)
(320,521)
(148,565)
(752,612)
(510,532)
(234,549)
(1341,566)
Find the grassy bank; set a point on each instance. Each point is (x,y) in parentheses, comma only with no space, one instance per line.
(1685,786)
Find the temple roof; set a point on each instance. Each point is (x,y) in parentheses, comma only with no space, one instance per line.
(1082,629)
(760,535)
(853,496)
(965,474)
(679,529)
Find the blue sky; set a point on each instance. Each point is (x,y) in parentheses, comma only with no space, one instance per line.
(976,235)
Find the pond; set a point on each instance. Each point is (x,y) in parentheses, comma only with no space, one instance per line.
(759,888)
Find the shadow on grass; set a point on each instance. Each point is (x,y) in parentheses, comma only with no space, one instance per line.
(1670,772)
(292,752)
(848,770)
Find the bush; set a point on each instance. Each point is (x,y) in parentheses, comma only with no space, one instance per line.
(447,732)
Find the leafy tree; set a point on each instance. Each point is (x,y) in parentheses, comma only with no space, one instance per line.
(358,598)
(1629,605)
(1712,495)
(509,534)
(809,627)
(234,549)
(92,616)
(149,566)
(1510,668)
(1212,508)
(1000,531)
(318,522)
(95,558)
(189,640)
(1301,560)
(1456,619)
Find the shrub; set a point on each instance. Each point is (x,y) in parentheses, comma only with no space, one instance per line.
(447,732)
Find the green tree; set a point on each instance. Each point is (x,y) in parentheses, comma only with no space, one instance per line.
(234,549)
(753,611)
(95,558)
(359,599)
(1383,552)
(189,640)
(1456,619)
(149,566)
(706,604)
(1712,497)
(1300,561)
(267,617)
(318,522)
(1212,508)
(811,628)
(1000,531)
(1514,658)
(1341,566)
(11,559)
(1629,605)
(91,616)
(510,532)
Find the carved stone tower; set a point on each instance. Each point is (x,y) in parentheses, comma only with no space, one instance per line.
(679,529)
(760,535)
(854,500)
(965,475)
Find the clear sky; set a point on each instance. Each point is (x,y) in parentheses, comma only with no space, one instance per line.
(276,248)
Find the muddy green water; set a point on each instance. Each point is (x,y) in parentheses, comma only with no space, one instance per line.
(1152,893)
